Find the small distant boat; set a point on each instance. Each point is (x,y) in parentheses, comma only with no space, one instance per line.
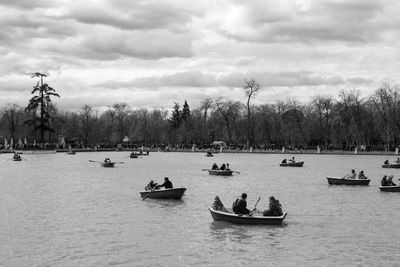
(133,155)
(220,172)
(292,164)
(209,154)
(108,164)
(394,188)
(231,217)
(171,193)
(341,181)
(17,159)
(391,165)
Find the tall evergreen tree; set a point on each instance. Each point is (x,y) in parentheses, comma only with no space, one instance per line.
(41,102)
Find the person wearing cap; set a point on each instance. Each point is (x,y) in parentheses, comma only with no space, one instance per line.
(167,184)
(352,175)
(240,205)
(275,208)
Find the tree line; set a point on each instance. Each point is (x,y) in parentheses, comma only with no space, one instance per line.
(346,122)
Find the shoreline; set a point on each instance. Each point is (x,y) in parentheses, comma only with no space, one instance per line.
(290,152)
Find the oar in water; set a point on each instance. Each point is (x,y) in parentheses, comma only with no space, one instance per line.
(95,161)
(120,162)
(236,172)
(204,169)
(148,194)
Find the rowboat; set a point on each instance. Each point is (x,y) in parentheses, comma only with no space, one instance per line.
(133,155)
(220,172)
(341,181)
(17,159)
(292,164)
(174,193)
(395,188)
(392,165)
(231,217)
(108,164)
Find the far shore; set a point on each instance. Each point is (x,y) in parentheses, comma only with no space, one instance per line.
(286,152)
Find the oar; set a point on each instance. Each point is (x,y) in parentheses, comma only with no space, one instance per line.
(95,161)
(23,158)
(257,202)
(204,169)
(236,172)
(121,162)
(154,188)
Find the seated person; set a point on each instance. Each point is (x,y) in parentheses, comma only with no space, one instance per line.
(16,155)
(214,166)
(217,205)
(167,184)
(292,159)
(384,181)
(390,181)
(223,167)
(361,175)
(284,161)
(275,208)
(240,205)
(386,162)
(227,166)
(150,186)
(352,175)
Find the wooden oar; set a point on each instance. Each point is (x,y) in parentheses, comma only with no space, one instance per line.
(345,177)
(257,202)
(154,188)
(204,169)
(236,172)
(95,161)
(121,162)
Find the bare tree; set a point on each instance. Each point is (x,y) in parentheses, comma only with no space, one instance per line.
(251,88)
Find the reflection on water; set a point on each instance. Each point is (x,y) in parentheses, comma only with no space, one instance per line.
(66,211)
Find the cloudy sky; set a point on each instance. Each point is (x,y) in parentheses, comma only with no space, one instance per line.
(152,53)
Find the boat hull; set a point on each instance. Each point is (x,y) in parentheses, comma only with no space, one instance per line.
(108,164)
(292,164)
(393,166)
(390,188)
(17,159)
(171,193)
(245,219)
(133,156)
(340,181)
(220,172)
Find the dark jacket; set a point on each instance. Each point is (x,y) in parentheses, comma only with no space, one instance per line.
(166,184)
(275,209)
(240,206)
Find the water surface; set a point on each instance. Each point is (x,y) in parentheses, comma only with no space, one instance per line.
(62,210)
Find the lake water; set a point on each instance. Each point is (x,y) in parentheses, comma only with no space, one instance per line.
(62,210)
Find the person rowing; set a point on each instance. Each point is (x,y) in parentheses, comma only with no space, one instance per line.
(150,186)
(17,156)
(167,184)
(352,175)
(240,205)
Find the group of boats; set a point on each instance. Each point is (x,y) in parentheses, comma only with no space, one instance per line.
(365,182)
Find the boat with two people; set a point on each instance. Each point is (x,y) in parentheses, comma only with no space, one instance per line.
(209,154)
(387,184)
(153,190)
(349,179)
(291,163)
(224,170)
(239,214)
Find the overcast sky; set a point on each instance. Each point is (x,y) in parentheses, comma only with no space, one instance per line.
(153,53)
